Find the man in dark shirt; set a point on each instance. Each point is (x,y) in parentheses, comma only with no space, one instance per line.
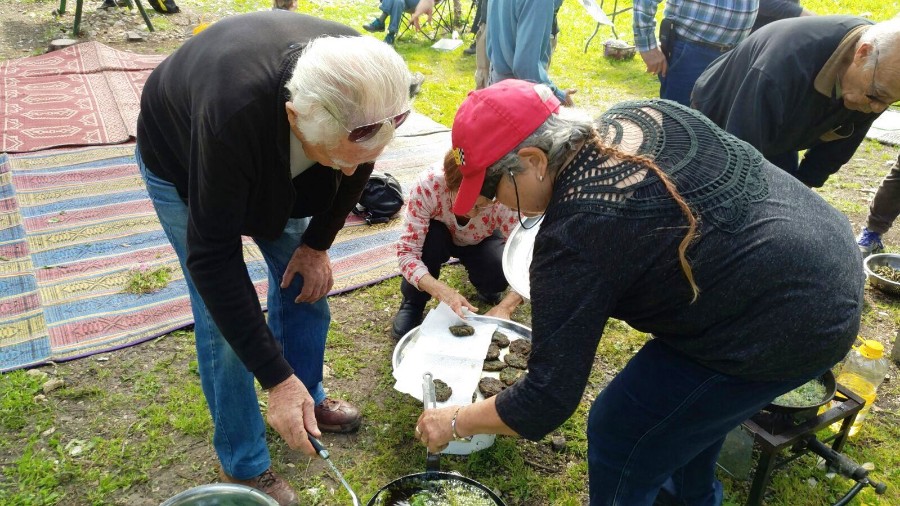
(815,83)
(265,125)
(773,10)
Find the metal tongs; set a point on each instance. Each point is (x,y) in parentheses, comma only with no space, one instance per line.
(432,460)
(325,456)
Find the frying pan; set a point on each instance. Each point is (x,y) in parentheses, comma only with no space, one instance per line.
(826,379)
(433,479)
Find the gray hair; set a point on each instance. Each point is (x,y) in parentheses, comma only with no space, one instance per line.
(559,136)
(883,37)
(348,82)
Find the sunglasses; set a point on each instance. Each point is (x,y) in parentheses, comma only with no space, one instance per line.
(366,132)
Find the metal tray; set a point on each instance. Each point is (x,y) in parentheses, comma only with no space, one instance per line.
(517,255)
(512,330)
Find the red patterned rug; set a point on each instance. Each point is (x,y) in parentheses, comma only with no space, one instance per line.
(84,95)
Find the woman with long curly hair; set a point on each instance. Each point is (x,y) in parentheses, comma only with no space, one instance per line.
(748,283)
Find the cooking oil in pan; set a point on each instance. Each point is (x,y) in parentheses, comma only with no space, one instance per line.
(433,493)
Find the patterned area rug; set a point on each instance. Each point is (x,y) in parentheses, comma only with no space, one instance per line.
(886,129)
(84,95)
(75,223)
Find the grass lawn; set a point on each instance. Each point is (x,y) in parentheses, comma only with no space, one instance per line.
(133,428)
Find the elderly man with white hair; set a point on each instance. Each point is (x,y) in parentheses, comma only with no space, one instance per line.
(810,83)
(265,125)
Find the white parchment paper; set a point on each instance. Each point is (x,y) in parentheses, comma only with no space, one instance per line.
(457,361)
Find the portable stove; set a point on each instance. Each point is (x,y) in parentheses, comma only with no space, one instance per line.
(774,431)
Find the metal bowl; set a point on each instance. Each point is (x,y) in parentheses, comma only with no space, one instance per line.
(517,255)
(221,494)
(882,283)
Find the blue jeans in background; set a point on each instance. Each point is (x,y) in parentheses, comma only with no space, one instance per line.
(687,62)
(395,9)
(661,423)
(239,430)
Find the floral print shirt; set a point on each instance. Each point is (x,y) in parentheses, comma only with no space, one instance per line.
(431,199)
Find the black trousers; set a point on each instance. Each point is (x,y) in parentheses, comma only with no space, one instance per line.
(483,261)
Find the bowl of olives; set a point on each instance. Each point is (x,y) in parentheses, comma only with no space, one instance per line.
(883,272)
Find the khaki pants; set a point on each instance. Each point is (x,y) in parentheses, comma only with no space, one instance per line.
(482,65)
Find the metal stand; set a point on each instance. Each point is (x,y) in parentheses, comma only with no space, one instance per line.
(612,16)
(771,445)
(78,8)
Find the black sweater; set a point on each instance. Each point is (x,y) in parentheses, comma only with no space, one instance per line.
(763,92)
(213,123)
(779,272)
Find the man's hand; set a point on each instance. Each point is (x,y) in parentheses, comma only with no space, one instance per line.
(315,268)
(568,99)
(292,414)
(655,61)
(423,7)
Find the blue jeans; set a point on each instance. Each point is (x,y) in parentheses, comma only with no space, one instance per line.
(661,423)
(687,62)
(395,9)
(239,431)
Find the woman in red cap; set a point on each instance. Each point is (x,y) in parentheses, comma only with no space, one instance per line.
(748,282)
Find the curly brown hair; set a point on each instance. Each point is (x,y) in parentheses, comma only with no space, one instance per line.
(679,200)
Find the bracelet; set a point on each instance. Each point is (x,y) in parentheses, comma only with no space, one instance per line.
(456,435)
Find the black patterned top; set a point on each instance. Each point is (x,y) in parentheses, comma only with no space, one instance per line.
(778,269)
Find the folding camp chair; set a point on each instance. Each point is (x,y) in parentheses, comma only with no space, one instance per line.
(78,7)
(447,17)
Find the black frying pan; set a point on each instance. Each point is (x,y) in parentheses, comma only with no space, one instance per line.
(432,480)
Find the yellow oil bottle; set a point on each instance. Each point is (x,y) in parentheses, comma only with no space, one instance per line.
(862,372)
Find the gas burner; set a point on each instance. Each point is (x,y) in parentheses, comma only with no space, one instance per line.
(775,430)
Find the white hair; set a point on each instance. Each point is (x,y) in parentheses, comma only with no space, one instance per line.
(347,82)
(883,37)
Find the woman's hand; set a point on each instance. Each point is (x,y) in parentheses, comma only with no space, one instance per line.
(456,301)
(504,309)
(443,293)
(433,428)
(292,414)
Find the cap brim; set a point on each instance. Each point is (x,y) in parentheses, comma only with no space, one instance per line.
(469,189)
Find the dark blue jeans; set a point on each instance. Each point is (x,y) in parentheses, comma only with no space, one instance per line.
(239,435)
(395,9)
(661,422)
(687,62)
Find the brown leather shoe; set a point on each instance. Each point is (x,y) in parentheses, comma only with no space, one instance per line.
(335,415)
(268,482)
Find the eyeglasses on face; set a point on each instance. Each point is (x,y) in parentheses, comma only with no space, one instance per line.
(876,99)
(366,132)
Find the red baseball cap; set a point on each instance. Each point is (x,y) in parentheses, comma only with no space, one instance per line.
(489,124)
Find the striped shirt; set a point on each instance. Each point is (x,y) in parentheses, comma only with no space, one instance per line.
(720,22)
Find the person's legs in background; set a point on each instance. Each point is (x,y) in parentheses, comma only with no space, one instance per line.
(484,262)
(477,22)
(482,64)
(239,435)
(377,24)
(435,251)
(688,61)
(661,422)
(883,210)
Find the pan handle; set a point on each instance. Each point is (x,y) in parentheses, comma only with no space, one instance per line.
(432,460)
